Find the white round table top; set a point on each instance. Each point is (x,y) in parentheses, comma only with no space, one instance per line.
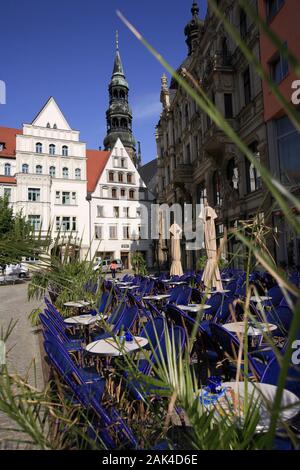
(193,307)
(257,330)
(85,319)
(77,304)
(157,297)
(109,346)
(265,393)
(128,287)
(211,292)
(260,298)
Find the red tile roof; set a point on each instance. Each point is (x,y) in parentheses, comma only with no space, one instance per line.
(8,179)
(96,162)
(8,137)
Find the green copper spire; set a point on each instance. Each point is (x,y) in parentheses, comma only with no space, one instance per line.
(119,114)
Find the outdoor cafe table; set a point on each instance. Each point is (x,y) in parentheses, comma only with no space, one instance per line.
(157,298)
(78,304)
(211,292)
(109,347)
(128,287)
(193,308)
(259,298)
(265,394)
(253,330)
(85,321)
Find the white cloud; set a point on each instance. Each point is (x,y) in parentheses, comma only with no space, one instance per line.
(147,106)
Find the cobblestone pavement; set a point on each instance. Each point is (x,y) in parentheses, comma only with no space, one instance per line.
(22,346)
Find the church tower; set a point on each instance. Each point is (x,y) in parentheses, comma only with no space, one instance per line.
(119,114)
(193,29)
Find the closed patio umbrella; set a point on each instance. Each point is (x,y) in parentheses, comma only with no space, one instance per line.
(176,267)
(211,275)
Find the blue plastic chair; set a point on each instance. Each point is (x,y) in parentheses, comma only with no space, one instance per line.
(69,344)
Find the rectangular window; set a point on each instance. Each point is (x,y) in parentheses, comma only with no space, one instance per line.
(57,197)
(228,106)
(35,221)
(74,223)
(98,232)
(74,198)
(126,234)
(113,232)
(126,212)
(66,198)
(57,223)
(7,194)
(123,193)
(273,6)
(288,139)
(243,24)
(279,68)
(34,194)
(100,211)
(247,86)
(253,176)
(66,224)
(116,212)
(188,153)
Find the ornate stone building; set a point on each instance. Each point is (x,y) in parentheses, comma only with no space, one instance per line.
(196,160)
(119,113)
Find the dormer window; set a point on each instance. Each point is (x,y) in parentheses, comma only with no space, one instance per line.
(38,147)
(48,125)
(2,146)
(65,150)
(52,149)
(54,126)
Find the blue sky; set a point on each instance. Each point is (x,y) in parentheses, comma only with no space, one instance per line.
(65,49)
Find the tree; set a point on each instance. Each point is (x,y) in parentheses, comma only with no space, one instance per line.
(6,217)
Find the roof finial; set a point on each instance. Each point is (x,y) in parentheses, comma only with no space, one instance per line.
(117,40)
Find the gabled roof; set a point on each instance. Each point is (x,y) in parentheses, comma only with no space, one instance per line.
(95,164)
(8,137)
(8,179)
(51,113)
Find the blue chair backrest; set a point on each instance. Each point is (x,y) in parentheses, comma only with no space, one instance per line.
(214,302)
(177,337)
(116,314)
(223,311)
(276,294)
(153,330)
(184,296)
(282,317)
(231,286)
(174,293)
(106,298)
(271,376)
(128,318)
(52,327)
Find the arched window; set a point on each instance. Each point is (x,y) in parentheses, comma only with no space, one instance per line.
(48,125)
(120,177)
(225,53)
(25,168)
(52,149)
(65,150)
(54,126)
(52,171)
(124,123)
(39,169)
(65,172)
(131,194)
(111,176)
(7,169)
(217,189)
(38,147)
(252,175)
(114,193)
(129,178)
(122,95)
(77,173)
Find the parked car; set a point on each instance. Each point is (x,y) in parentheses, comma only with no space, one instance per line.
(16,270)
(104,265)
